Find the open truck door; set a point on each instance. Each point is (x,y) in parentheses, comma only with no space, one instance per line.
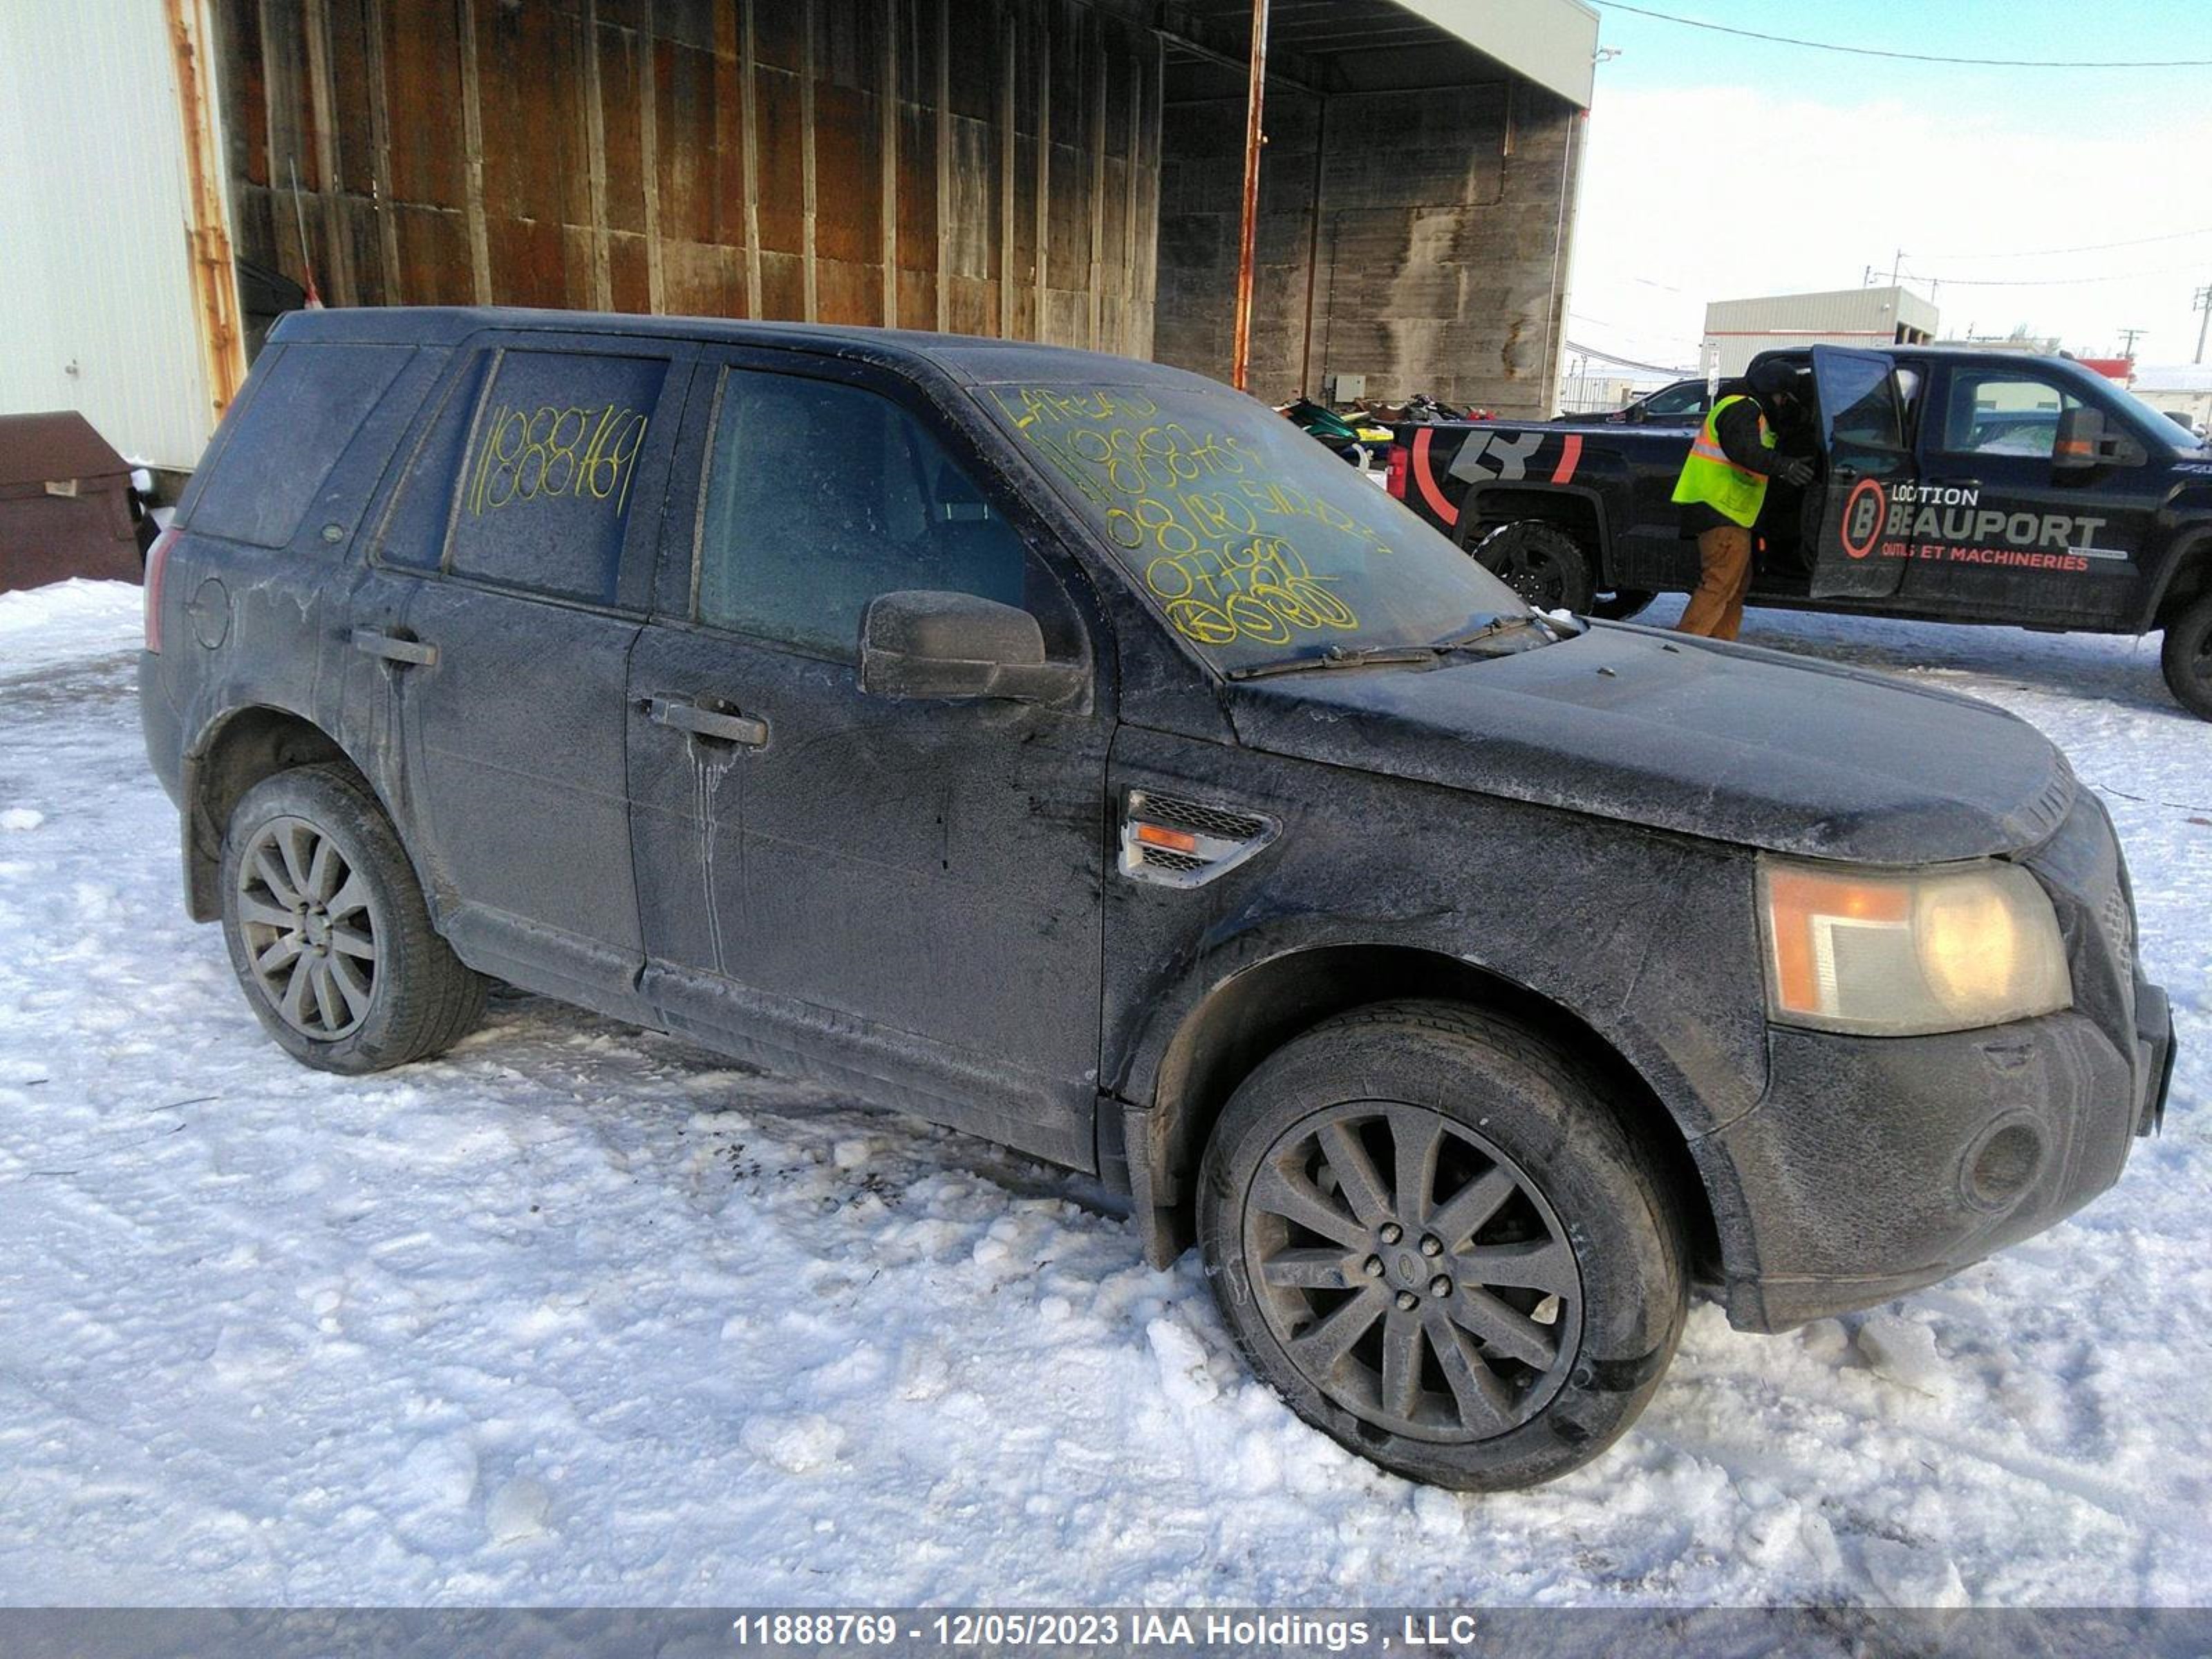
(1862,425)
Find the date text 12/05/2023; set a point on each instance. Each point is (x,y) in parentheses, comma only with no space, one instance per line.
(1215,535)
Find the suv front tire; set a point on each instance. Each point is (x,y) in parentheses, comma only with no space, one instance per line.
(1430,1234)
(327,929)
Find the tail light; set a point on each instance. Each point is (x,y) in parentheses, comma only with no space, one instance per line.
(1393,471)
(157,567)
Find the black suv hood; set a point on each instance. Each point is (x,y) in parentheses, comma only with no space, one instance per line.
(1721,741)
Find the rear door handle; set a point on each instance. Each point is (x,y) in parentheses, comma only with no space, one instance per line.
(406,653)
(709,723)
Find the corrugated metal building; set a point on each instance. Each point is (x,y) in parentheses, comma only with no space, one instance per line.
(1061,170)
(2183,388)
(1736,331)
(96,254)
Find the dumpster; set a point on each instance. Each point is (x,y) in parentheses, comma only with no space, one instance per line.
(66,505)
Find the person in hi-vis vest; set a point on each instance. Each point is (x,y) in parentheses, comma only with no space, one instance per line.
(1722,487)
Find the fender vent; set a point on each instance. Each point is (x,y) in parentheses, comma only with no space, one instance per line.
(1172,842)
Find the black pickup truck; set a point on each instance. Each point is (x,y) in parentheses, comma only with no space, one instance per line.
(1952,485)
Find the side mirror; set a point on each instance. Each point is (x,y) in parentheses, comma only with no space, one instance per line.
(926,644)
(2086,440)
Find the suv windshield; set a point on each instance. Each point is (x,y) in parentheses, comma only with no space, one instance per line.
(1254,542)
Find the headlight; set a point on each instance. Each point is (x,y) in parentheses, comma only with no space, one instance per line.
(1905,952)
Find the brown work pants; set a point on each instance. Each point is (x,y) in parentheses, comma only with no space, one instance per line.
(1715,609)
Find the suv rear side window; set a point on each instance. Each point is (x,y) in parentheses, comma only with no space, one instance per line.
(545,489)
(820,497)
(305,403)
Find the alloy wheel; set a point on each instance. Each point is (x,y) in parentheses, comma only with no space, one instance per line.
(1411,1272)
(310,934)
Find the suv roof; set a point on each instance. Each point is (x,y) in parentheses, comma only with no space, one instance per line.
(970,359)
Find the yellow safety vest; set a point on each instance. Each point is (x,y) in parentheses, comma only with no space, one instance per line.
(1708,475)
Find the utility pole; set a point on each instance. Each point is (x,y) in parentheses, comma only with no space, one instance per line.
(2132,335)
(1896,265)
(2203,303)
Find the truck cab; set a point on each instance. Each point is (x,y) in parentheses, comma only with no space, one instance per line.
(1951,485)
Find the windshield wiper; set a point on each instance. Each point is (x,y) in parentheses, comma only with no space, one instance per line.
(1352,656)
(1337,656)
(1500,625)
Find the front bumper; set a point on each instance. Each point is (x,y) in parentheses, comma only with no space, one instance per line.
(1874,1165)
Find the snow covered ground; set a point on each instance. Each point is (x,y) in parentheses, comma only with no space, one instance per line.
(579,1313)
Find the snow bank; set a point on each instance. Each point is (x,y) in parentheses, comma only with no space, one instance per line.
(579,1313)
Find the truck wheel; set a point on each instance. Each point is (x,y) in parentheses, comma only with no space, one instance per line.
(1539,562)
(2186,657)
(1429,1233)
(1621,604)
(327,929)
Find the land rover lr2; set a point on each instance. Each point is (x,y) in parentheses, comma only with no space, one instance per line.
(1951,485)
(1069,750)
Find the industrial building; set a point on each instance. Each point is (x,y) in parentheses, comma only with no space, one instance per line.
(1736,331)
(2183,389)
(177,171)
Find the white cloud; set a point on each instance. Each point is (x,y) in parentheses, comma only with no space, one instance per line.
(1691,194)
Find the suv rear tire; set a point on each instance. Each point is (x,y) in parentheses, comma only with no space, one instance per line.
(2185,656)
(1542,562)
(1428,1232)
(328,932)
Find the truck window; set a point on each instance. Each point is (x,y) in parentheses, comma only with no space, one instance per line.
(1689,397)
(301,409)
(545,489)
(820,497)
(2003,412)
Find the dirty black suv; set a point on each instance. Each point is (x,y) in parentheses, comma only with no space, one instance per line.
(1068,749)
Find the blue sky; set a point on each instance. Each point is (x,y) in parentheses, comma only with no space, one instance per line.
(1827,163)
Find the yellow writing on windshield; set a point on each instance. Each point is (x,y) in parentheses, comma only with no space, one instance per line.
(1195,510)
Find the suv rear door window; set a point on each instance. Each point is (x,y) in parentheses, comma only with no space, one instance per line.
(306,404)
(544,488)
(821,496)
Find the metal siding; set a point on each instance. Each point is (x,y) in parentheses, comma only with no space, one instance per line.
(1741,329)
(94,253)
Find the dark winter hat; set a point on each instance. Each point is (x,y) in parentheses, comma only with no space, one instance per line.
(1771,378)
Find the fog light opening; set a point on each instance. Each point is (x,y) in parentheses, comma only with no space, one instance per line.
(2003,1165)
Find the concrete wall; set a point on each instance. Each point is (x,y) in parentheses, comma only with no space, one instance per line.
(986,166)
(1420,240)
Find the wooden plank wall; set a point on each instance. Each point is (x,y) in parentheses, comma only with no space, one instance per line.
(986,166)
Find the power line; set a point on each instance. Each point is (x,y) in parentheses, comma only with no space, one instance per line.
(1627,362)
(1917,57)
(2084,247)
(2047,281)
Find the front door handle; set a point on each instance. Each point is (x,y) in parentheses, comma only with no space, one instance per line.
(404,654)
(709,723)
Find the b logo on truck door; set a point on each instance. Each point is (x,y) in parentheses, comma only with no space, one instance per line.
(1865,511)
